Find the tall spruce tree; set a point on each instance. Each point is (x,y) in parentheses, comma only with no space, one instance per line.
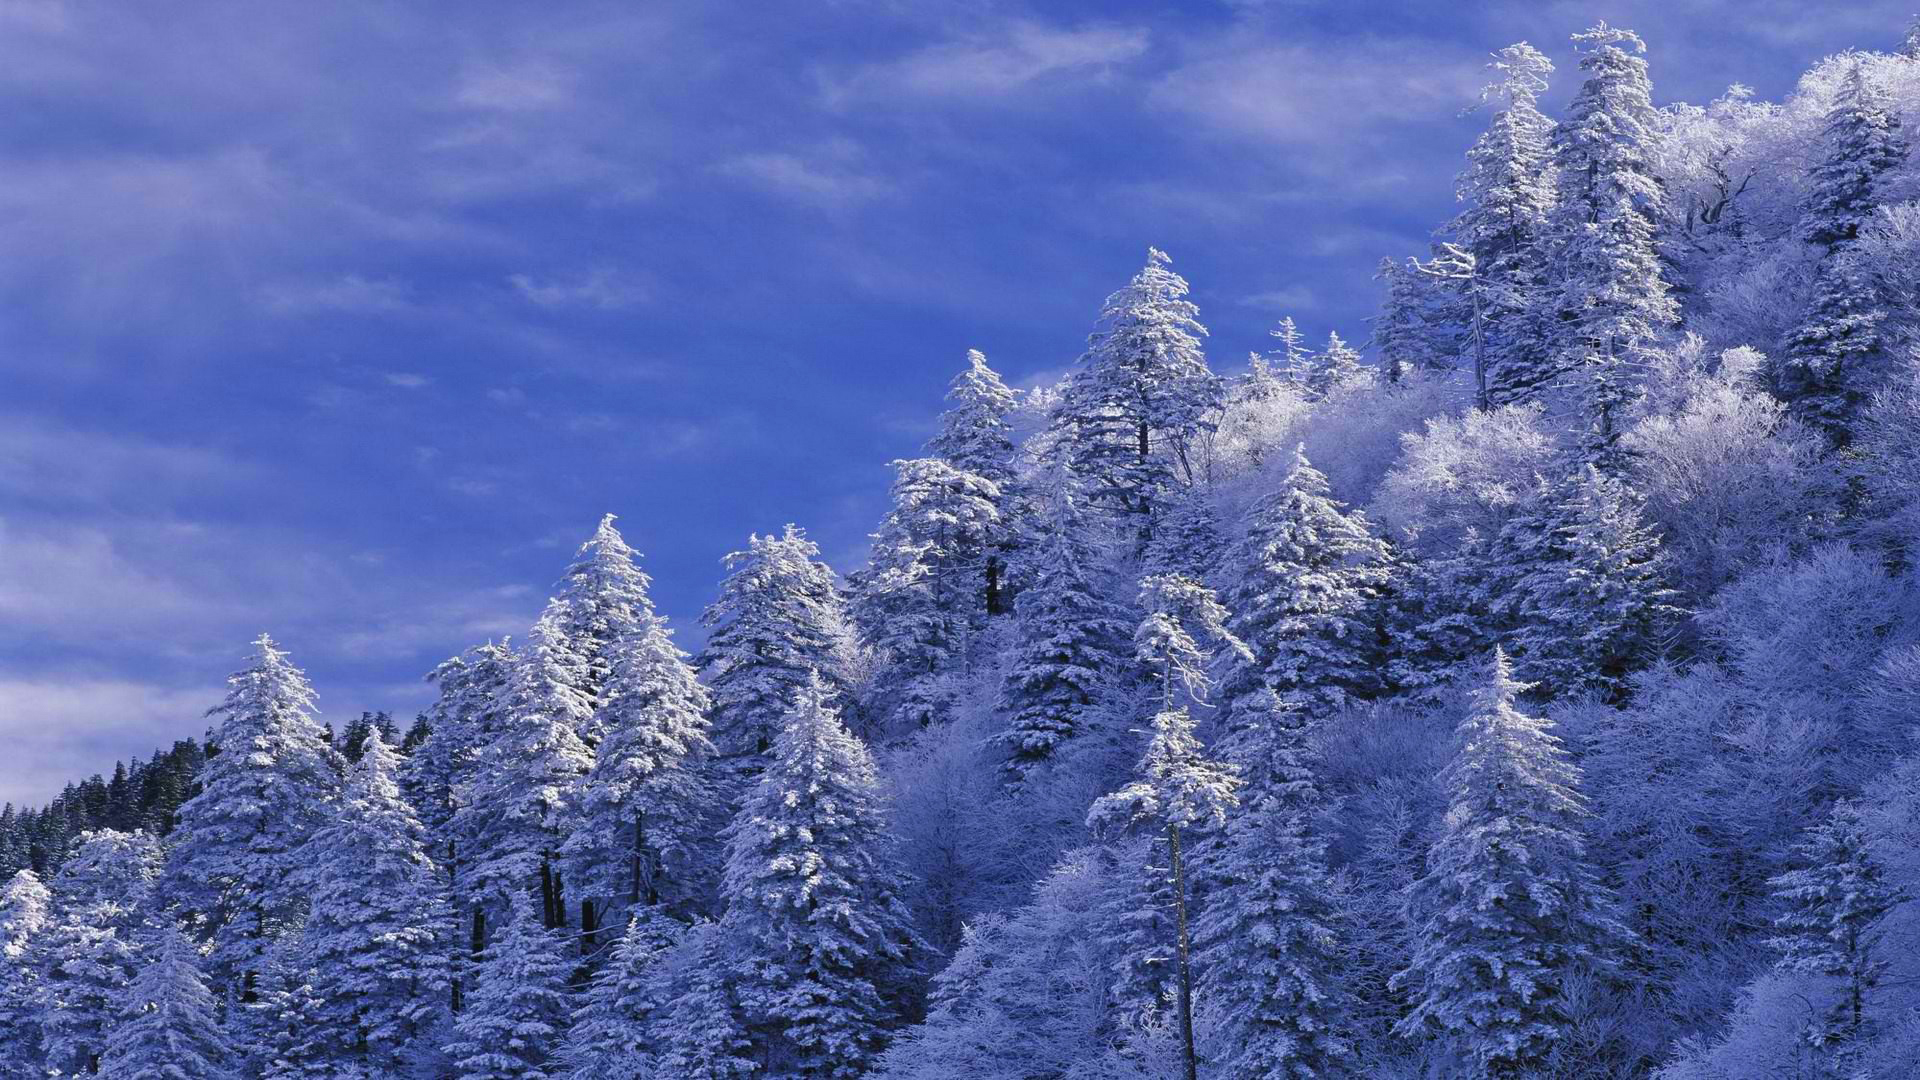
(168,1028)
(702,1034)
(235,857)
(601,600)
(26,909)
(618,1021)
(518,1008)
(976,437)
(823,938)
(1509,908)
(94,945)
(376,937)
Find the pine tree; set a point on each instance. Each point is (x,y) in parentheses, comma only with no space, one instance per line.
(237,850)
(1293,357)
(1417,328)
(1070,643)
(975,437)
(168,1029)
(702,1035)
(1332,368)
(1508,908)
(778,621)
(1508,187)
(1835,902)
(612,1028)
(25,912)
(1268,937)
(1610,284)
(93,945)
(1864,142)
(824,938)
(1141,395)
(517,1011)
(375,939)
(1307,594)
(644,802)
(1584,596)
(602,598)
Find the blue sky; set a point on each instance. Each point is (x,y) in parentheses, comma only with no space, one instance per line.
(346,321)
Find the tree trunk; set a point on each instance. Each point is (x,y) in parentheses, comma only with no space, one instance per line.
(1181,952)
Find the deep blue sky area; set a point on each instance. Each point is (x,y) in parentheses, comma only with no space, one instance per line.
(346,321)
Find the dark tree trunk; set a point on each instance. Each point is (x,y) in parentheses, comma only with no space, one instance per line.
(1181,950)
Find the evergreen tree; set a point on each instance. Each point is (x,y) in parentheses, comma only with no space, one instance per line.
(517,1011)
(702,1035)
(778,621)
(1610,284)
(1293,357)
(1508,909)
(1835,902)
(644,804)
(25,912)
(1864,142)
(93,945)
(237,851)
(1267,939)
(975,437)
(168,1029)
(1141,396)
(1331,368)
(811,885)
(1069,641)
(602,599)
(1307,594)
(612,1028)
(916,604)
(1417,328)
(376,935)
(1508,187)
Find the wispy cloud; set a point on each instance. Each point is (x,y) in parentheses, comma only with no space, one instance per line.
(823,179)
(603,288)
(997,61)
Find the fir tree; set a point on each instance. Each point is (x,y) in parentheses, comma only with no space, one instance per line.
(1268,937)
(1835,902)
(25,912)
(778,621)
(602,599)
(1864,142)
(517,1010)
(1508,909)
(1332,368)
(611,1032)
(1417,327)
(1293,357)
(811,886)
(237,851)
(1307,594)
(975,437)
(376,935)
(168,1030)
(1141,396)
(703,1035)
(93,945)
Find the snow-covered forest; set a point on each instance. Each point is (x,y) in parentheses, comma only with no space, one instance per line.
(1522,691)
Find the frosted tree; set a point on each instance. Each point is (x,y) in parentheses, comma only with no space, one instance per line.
(1268,939)
(1610,284)
(529,778)
(375,938)
(1508,189)
(644,803)
(25,912)
(918,601)
(1418,327)
(1142,395)
(1178,788)
(1835,902)
(612,1025)
(1835,360)
(235,855)
(602,598)
(702,1035)
(1070,640)
(168,1029)
(1306,595)
(1580,585)
(1508,910)
(1333,367)
(1292,358)
(779,620)
(517,1010)
(93,944)
(976,437)
(813,891)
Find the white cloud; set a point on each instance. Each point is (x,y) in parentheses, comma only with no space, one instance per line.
(63,730)
(407,380)
(1282,300)
(603,288)
(998,62)
(348,292)
(523,87)
(813,179)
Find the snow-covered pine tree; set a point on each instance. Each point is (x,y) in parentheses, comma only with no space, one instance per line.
(234,858)
(617,1023)
(1070,639)
(1581,586)
(1508,189)
(1268,937)
(645,804)
(375,939)
(976,437)
(1835,360)
(1509,909)
(1306,594)
(778,621)
(1333,367)
(1835,902)
(1612,294)
(1178,789)
(274,1034)
(918,602)
(517,1010)
(93,944)
(702,1034)
(823,938)
(1141,396)
(1292,358)
(1418,328)
(26,908)
(168,1028)
(602,598)
(528,779)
